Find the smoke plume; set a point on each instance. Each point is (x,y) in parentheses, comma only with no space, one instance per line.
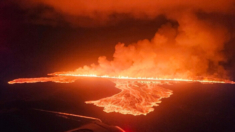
(191,49)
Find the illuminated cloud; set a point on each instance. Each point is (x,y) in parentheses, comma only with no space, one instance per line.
(80,12)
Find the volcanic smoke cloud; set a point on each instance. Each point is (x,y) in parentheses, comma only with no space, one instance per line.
(190,49)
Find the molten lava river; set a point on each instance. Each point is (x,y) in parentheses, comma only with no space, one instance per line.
(138,96)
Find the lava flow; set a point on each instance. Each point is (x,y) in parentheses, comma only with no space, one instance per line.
(138,95)
(135,98)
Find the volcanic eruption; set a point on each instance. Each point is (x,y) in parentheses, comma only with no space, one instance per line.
(188,48)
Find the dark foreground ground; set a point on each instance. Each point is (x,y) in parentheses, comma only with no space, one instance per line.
(193,107)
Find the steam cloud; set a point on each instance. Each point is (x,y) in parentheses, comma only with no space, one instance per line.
(191,49)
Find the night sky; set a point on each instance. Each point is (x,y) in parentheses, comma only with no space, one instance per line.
(44,36)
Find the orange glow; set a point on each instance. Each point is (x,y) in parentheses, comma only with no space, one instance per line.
(58,79)
(144,78)
(191,51)
(69,78)
(189,46)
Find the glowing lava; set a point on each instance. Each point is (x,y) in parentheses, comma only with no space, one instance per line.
(58,79)
(68,78)
(135,98)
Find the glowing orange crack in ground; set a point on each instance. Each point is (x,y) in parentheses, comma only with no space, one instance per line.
(68,78)
(144,78)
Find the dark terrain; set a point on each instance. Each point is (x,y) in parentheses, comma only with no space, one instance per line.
(193,107)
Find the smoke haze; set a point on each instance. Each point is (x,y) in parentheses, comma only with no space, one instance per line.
(102,12)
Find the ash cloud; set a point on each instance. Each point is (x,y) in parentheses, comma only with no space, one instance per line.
(193,48)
